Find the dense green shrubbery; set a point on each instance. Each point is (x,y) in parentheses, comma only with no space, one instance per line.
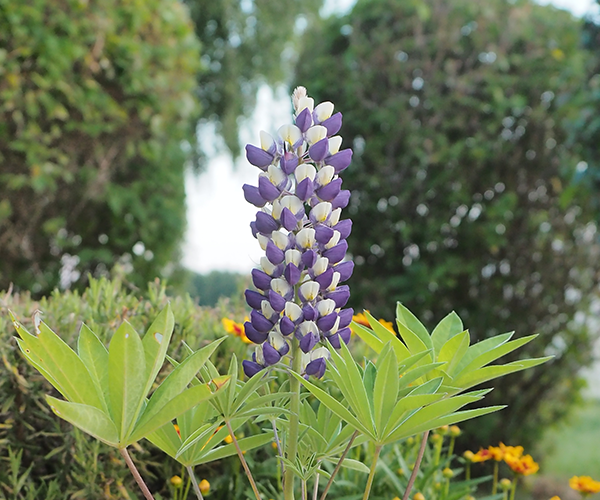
(460,179)
(54,450)
(95,101)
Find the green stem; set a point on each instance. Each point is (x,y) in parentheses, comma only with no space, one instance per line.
(192,477)
(187,487)
(372,472)
(136,474)
(495,483)
(438,451)
(279,450)
(243,461)
(514,488)
(292,440)
(468,471)
(413,474)
(451,447)
(339,464)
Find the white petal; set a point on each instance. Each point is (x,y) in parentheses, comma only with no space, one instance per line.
(310,290)
(266,309)
(292,202)
(281,240)
(335,326)
(320,352)
(304,359)
(280,286)
(276,340)
(277,208)
(335,143)
(267,266)
(262,241)
(321,211)
(266,141)
(308,326)
(316,133)
(290,133)
(334,282)
(305,170)
(324,111)
(325,175)
(334,218)
(306,237)
(335,239)
(260,359)
(276,175)
(292,311)
(325,307)
(293,256)
(305,102)
(320,265)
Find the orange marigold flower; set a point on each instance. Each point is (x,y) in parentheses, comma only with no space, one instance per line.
(236,329)
(584,484)
(497,453)
(524,465)
(555,497)
(515,451)
(481,456)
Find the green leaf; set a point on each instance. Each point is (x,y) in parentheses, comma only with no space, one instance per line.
(352,464)
(88,418)
(482,347)
(367,336)
(490,372)
(166,439)
(155,343)
(94,356)
(126,377)
(36,363)
(410,322)
(450,326)
(228,450)
(385,390)
(407,404)
(453,351)
(175,407)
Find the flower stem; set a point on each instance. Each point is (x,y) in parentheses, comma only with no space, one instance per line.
(451,447)
(372,472)
(292,440)
(339,464)
(495,483)
(316,488)
(468,471)
(413,474)
(136,474)
(279,450)
(192,477)
(514,488)
(243,461)
(187,487)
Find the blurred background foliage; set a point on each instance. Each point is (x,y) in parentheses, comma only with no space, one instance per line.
(462,181)
(474,186)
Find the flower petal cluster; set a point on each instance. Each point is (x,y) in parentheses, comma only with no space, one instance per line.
(235,329)
(524,465)
(299,290)
(584,484)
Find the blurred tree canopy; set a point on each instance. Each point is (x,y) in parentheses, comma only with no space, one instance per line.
(461,194)
(244,44)
(95,100)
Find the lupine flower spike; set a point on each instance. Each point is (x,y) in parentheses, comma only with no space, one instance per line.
(298,284)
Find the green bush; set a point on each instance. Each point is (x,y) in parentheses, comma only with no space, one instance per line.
(56,454)
(96,100)
(461,195)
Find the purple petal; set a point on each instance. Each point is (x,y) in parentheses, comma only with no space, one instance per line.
(274,253)
(261,280)
(292,274)
(309,313)
(254,299)
(345,334)
(251,368)
(336,253)
(253,196)
(323,233)
(265,223)
(309,258)
(258,157)
(345,269)
(340,160)
(316,367)
(288,219)
(309,341)
(326,322)
(270,354)
(262,324)
(288,162)
(340,295)
(333,124)
(329,191)
(285,348)
(318,151)
(334,340)
(267,190)
(324,279)
(345,317)
(341,200)
(344,227)
(305,189)
(253,334)
(286,325)
(277,301)
(253,228)
(304,120)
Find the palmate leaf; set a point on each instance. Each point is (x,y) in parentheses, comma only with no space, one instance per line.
(94,356)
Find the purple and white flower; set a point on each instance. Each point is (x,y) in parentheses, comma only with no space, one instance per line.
(298,283)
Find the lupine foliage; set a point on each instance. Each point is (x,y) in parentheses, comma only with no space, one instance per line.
(460,184)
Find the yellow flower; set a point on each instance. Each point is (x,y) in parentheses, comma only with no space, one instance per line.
(584,484)
(228,439)
(524,465)
(204,486)
(448,473)
(418,496)
(515,451)
(481,456)
(455,431)
(469,455)
(361,319)
(176,481)
(497,453)
(236,329)
(555,497)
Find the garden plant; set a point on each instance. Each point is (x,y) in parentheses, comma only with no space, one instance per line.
(301,388)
